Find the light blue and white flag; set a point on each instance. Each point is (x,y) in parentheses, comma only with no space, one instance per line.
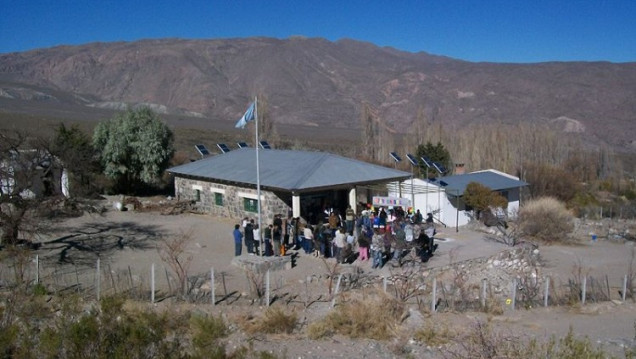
(247,117)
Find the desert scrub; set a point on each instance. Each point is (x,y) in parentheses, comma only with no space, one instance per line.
(273,321)
(207,332)
(371,318)
(434,335)
(545,219)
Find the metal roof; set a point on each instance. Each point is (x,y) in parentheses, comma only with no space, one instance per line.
(290,170)
(492,179)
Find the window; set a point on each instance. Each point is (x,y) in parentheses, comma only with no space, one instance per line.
(250,205)
(218,198)
(197,195)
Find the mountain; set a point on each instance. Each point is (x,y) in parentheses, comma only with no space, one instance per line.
(315,82)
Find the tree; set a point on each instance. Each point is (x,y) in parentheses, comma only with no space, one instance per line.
(480,198)
(75,151)
(136,147)
(436,153)
(25,177)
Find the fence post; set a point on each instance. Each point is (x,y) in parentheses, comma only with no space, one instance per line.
(623,294)
(546,293)
(212,296)
(267,287)
(483,293)
(433,294)
(333,301)
(514,293)
(98,280)
(384,283)
(37,269)
(152,283)
(583,292)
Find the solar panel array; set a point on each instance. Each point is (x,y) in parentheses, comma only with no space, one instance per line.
(427,161)
(242,144)
(223,147)
(395,157)
(203,151)
(265,145)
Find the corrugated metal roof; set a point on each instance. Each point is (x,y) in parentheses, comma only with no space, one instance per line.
(492,179)
(288,169)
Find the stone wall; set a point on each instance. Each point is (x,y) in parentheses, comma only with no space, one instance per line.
(233,199)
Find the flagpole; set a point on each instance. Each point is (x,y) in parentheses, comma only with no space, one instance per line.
(258,180)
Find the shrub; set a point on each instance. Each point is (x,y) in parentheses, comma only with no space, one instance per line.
(545,219)
(353,320)
(273,321)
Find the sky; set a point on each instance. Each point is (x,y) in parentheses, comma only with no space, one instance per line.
(519,31)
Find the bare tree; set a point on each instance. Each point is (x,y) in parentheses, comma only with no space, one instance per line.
(173,252)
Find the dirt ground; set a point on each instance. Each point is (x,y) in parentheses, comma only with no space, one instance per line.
(129,239)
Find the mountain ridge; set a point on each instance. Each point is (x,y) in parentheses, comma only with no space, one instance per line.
(320,83)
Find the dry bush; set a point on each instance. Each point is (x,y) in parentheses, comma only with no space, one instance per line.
(275,320)
(545,219)
(353,319)
(433,334)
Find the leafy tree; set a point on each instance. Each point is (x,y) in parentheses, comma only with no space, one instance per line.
(74,149)
(480,198)
(437,153)
(136,147)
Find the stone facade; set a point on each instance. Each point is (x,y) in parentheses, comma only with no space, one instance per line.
(236,202)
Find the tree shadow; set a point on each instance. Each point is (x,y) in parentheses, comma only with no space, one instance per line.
(83,245)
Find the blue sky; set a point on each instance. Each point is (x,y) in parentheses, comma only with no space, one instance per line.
(473,30)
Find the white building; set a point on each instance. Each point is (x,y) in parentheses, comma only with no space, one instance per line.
(443,196)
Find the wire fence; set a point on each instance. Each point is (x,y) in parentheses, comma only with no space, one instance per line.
(406,284)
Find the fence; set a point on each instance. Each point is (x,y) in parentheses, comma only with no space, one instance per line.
(405,284)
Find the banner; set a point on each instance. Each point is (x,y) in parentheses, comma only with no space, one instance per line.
(391,202)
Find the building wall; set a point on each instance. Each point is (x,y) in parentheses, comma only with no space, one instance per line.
(234,198)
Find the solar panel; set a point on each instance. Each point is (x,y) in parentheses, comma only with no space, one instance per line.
(395,157)
(242,145)
(412,159)
(427,161)
(223,147)
(203,151)
(439,167)
(265,145)
(443,184)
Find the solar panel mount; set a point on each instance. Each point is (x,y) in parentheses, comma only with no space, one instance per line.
(203,151)
(427,161)
(439,167)
(412,159)
(223,147)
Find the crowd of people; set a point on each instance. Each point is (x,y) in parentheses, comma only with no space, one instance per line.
(378,235)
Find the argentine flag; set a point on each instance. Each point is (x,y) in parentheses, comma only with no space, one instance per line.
(247,117)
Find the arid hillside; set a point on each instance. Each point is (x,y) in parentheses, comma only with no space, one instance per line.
(315,83)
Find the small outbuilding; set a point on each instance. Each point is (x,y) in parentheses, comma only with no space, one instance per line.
(293,183)
(443,196)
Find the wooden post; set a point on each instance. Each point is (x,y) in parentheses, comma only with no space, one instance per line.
(514,293)
(623,294)
(546,292)
(384,283)
(212,294)
(433,295)
(483,292)
(98,280)
(152,283)
(333,301)
(583,290)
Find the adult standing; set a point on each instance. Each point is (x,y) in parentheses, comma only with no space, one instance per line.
(350,215)
(249,236)
(238,240)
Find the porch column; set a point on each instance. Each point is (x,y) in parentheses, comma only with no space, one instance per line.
(295,205)
(352,199)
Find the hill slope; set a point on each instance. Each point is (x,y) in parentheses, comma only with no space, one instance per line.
(315,82)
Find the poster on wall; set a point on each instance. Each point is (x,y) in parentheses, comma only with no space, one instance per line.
(391,202)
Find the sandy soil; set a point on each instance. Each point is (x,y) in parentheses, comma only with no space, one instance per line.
(128,240)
